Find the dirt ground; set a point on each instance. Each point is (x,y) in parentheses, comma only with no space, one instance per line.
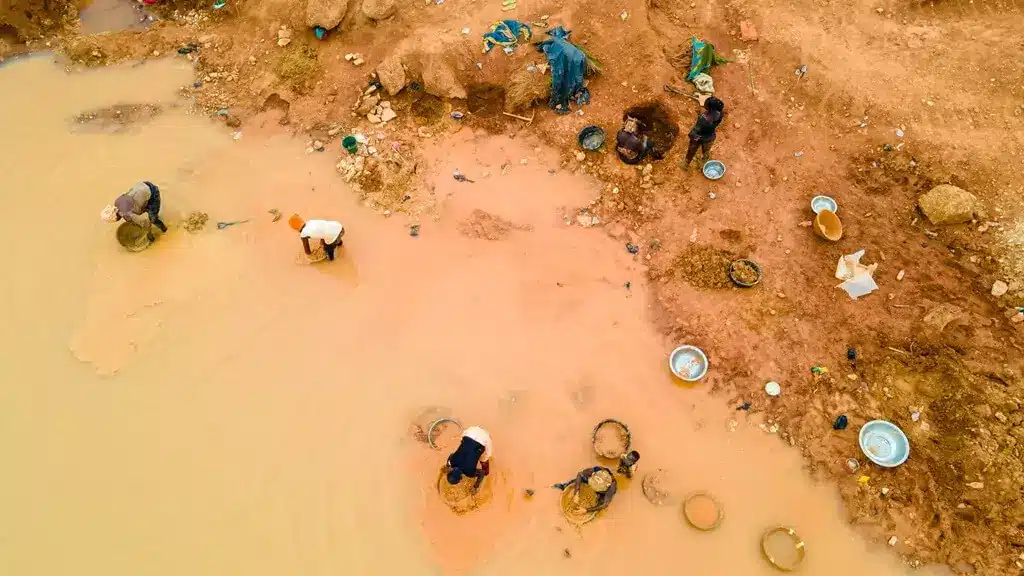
(898,97)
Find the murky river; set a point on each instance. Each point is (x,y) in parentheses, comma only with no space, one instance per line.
(216,405)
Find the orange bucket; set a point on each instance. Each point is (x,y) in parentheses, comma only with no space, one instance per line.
(828,226)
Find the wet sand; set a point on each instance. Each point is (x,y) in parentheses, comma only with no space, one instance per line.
(213,405)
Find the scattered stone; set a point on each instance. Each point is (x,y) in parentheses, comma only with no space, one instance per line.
(1001,417)
(587,220)
(318,145)
(976,485)
(899,275)
(373,118)
(999,288)
(852,465)
(567,553)
(893,541)
(885,491)
(580,156)
(946,204)
(334,131)
(388,114)
(368,104)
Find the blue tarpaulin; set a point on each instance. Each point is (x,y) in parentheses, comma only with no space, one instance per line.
(568,66)
(507,33)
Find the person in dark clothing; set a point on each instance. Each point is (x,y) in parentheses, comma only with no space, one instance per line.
(631,145)
(600,479)
(140,206)
(474,449)
(702,135)
(628,463)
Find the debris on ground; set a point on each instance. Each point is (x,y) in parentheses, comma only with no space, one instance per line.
(840,423)
(857,278)
(507,34)
(195,221)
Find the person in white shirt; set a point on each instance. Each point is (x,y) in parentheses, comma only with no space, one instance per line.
(328,232)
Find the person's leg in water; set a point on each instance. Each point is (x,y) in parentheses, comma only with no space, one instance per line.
(153,207)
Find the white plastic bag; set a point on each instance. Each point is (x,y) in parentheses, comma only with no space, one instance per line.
(857,278)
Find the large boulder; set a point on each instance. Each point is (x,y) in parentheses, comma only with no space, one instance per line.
(378,9)
(391,74)
(325,13)
(947,204)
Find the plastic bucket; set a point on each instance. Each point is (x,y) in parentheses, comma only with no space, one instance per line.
(828,226)
(350,144)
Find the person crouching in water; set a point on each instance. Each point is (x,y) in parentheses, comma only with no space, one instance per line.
(328,232)
(600,479)
(472,458)
(631,145)
(140,206)
(702,135)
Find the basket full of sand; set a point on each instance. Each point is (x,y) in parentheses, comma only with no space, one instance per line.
(611,439)
(574,506)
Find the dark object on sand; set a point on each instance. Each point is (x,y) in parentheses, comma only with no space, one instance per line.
(134,238)
(223,225)
(745,273)
(851,354)
(744,406)
(414,230)
(591,138)
(632,248)
(841,422)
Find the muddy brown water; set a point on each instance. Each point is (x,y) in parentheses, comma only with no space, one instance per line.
(216,405)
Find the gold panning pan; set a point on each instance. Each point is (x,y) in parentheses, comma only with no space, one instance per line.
(703,511)
(783,548)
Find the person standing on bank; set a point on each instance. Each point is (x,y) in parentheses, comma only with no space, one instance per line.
(702,135)
(140,206)
(328,232)
(472,458)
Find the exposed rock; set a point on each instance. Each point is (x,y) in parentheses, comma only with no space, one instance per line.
(325,13)
(392,76)
(373,118)
(378,9)
(368,104)
(999,288)
(439,79)
(586,220)
(946,204)
(976,485)
(388,114)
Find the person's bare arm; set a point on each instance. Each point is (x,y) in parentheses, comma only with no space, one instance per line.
(305,246)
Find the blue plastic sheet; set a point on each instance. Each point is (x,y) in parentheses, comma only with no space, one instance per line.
(568,67)
(507,33)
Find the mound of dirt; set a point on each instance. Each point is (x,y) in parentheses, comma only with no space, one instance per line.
(703,266)
(117,118)
(299,68)
(23,20)
(487,226)
(195,221)
(947,204)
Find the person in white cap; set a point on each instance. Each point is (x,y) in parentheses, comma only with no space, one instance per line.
(472,458)
(140,206)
